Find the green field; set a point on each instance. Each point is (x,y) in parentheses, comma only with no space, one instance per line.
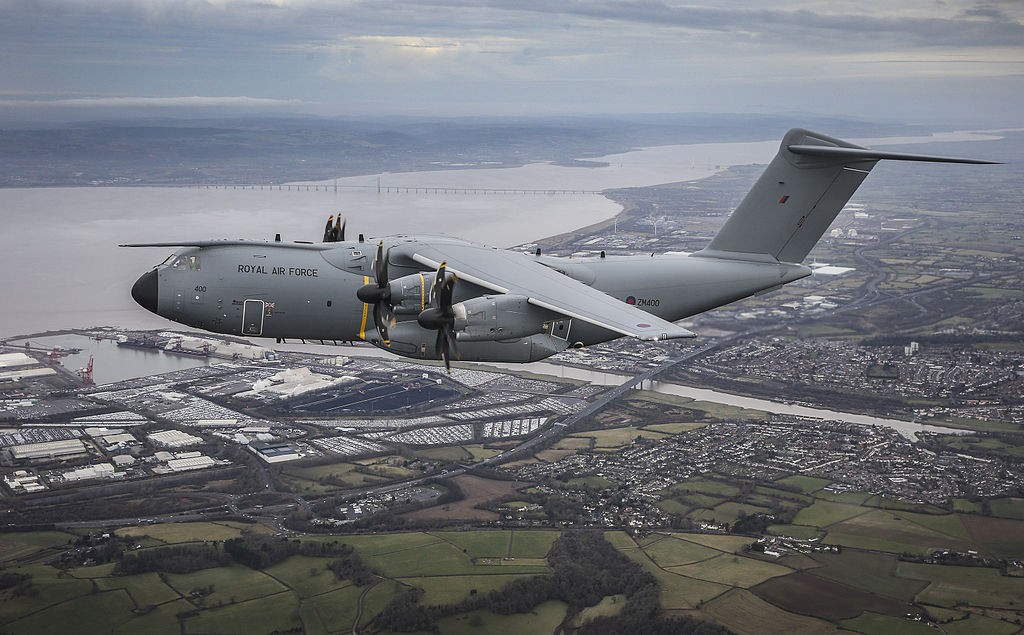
(668,552)
(728,544)
(853,498)
(171,533)
(544,619)
(608,606)
(86,614)
(230,584)
(22,544)
(146,589)
(326,478)
(976,586)
(746,614)
(479,452)
(733,570)
(784,494)
(872,572)
(53,590)
(426,560)
(825,513)
(892,531)
(705,486)
(306,576)
(451,589)
(674,428)
(478,544)
(160,621)
(278,612)
(964,505)
(618,437)
(980,624)
(873,623)
(452,453)
(673,506)
(800,532)
(807,484)
(730,512)
(620,540)
(1008,507)
(385,543)
(378,597)
(589,482)
(331,612)
(532,544)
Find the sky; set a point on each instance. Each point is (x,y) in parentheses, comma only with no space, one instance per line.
(959,61)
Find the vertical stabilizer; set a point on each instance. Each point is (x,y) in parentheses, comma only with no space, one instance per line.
(793,203)
(799,195)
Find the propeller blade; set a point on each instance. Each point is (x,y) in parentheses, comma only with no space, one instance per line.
(435,288)
(341,236)
(327,230)
(441,349)
(380,266)
(378,321)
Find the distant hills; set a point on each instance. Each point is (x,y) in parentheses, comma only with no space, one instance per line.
(276,150)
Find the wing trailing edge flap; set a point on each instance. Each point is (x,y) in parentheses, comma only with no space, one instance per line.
(504,271)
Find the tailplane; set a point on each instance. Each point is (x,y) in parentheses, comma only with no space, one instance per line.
(798,196)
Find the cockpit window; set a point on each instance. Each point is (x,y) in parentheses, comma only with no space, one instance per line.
(183,263)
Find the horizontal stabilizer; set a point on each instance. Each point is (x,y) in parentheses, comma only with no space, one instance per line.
(867,154)
(225,242)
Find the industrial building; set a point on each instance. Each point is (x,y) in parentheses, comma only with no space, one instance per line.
(17,375)
(191,463)
(21,482)
(48,449)
(10,360)
(174,439)
(99,470)
(274,451)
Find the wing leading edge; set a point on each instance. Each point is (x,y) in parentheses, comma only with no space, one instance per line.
(504,271)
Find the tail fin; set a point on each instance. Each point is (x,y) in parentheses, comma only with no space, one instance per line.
(798,196)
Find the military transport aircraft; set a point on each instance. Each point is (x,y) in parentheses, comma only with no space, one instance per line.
(437,297)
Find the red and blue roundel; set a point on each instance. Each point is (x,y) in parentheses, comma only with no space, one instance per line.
(644,326)
(631,300)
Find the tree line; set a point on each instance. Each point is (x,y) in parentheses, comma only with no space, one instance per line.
(586,568)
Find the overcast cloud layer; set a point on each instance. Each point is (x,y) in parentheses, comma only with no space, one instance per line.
(915,60)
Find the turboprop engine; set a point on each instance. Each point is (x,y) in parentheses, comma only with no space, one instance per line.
(492,318)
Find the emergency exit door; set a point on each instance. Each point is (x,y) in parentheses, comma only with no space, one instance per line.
(252,317)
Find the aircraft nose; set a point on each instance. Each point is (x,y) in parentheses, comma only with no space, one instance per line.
(144,291)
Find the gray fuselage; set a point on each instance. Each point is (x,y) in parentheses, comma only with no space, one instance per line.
(308,291)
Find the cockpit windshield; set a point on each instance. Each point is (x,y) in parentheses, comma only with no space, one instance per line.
(182,262)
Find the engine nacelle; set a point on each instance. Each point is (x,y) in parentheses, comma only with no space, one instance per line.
(411,294)
(410,339)
(491,318)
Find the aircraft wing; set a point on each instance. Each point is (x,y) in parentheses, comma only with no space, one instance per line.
(504,271)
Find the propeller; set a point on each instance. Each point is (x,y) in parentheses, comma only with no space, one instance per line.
(378,293)
(440,316)
(335,230)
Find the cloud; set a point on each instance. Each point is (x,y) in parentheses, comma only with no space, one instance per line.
(155,102)
(440,55)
